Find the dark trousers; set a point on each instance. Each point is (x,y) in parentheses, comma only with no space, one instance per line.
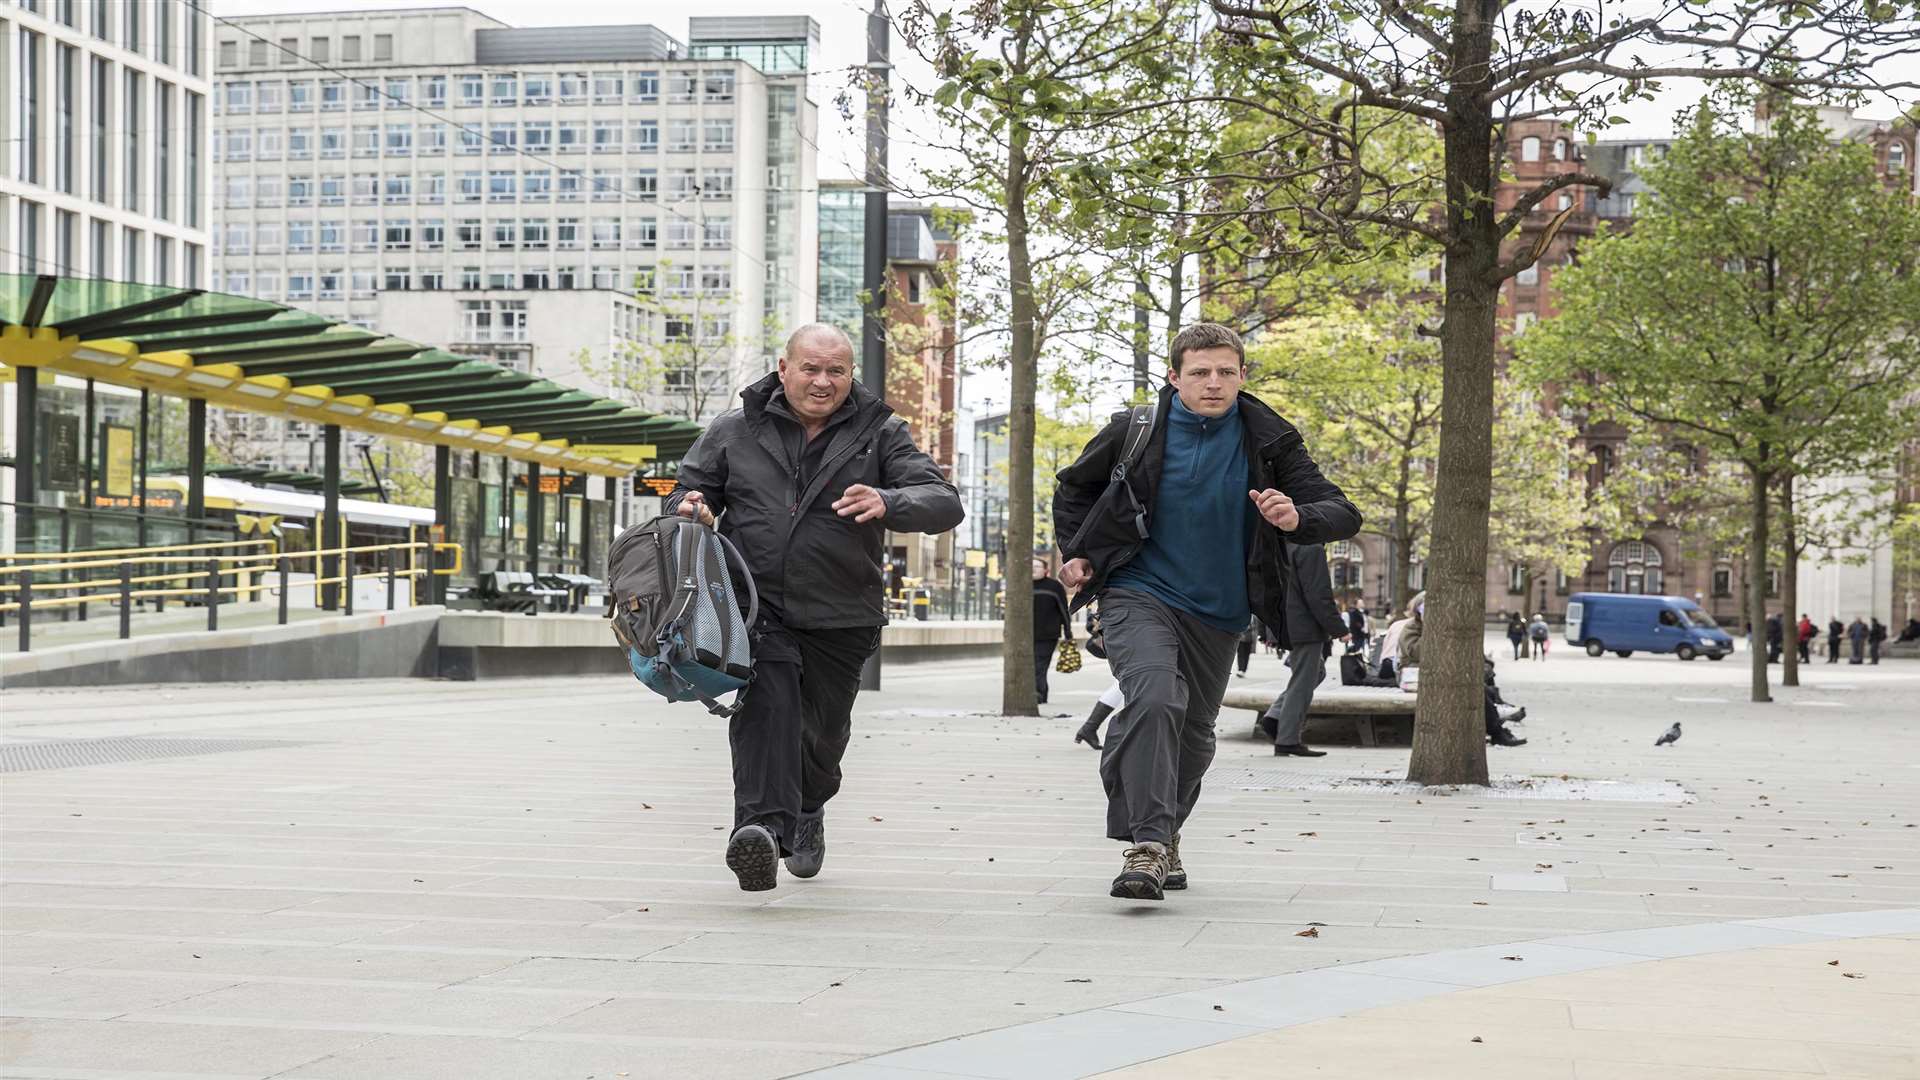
(1042,662)
(1833,650)
(1173,669)
(1246,654)
(790,736)
(1805,644)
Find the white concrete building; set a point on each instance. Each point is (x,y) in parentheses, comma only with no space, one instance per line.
(421,171)
(103,133)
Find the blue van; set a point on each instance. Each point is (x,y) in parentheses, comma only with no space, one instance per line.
(1621,623)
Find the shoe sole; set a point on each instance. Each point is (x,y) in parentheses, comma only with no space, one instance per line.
(754,859)
(1136,887)
(1174,884)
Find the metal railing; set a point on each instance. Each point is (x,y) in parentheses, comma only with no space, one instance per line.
(158,577)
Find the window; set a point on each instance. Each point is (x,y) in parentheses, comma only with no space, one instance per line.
(1559,149)
(469,277)
(134,117)
(431,279)
(399,140)
(1530,148)
(716,280)
(290,52)
(267,238)
(606,185)
(1523,322)
(333,95)
(472,140)
(467,233)
(680,184)
(320,49)
(1636,567)
(1563,202)
(299,191)
(299,237)
(399,93)
(366,189)
(433,234)
(606,277)
(366,95)
(229,51)
(240,144)
(267,143)
(333,190)
(473,90)
(573,136)
(1529,276)
(239,192)
(609,88)
(382,47)
(715,329)
(502,138)
(679,329)
(644,185)
(502,185)
(329,284)
(607,136)
(719,84)
(682,134)
(299,286)
(350,48)
(300,144)
(333,235)
(366,235)
(397,188)
(432,188)
(679,233)
(642,233)
(506,90)
(567,185)
(432,140)
(536,185)
(1896,157)
(493,320)
(236,239)
(504,234)
(645,137)
(682,87)
(535,234)
(1517,579)
(433,91)
(566,234)
(300,95)
(398,235)
(606,233)
(536,278)
(239,98)
(719,136)
(397,279)
(472,187)
(643,87)
(1723,579)
(717,232)
(717,184)
(537,89)
(573,87)
(267,96)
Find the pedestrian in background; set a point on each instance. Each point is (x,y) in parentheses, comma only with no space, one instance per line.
(1804,634)
(1776,638)
(1516,633)
(1359,629)
(1541,634)
(1876,636)
(1050,623)
(1313,622)
(1248,639)
(1836,630)
(1857,637)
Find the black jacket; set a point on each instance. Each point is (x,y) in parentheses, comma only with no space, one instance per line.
(1311,613)
(1050,619)
(1097,521)
(814,568)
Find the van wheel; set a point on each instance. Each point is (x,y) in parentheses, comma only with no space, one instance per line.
(1716,656)
(1594,649)
(1685,652)
(1623,652)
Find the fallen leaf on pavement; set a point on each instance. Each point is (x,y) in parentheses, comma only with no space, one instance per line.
(1308,932)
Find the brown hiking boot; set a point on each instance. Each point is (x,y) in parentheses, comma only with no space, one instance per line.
(1176,873)
(1144,874)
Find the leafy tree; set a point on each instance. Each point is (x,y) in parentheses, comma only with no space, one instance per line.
(1765,307)
(1470,69)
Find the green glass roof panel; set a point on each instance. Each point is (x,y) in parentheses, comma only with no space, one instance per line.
(340,369)
(73,297)
(327,340)
(194,340)
(196,310)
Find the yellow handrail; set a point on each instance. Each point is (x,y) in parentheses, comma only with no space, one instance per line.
(12,555)
(261,557)
(186,574)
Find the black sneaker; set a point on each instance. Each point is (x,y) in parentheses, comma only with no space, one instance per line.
(1296,750)
(754,857)
(809,844)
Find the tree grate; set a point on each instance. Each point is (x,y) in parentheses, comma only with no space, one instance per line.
(118,750)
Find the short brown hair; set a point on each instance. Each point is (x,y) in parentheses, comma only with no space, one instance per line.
(1206,335)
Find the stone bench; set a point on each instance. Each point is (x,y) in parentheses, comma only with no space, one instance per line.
(1362,706)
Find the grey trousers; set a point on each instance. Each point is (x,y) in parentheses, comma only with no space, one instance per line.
(1173,669)
(1306,666)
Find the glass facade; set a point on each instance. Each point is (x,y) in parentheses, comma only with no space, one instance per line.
(842,247)
(767,57)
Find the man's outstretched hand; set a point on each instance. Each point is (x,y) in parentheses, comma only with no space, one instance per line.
(861,503)
(1277,509)
(694,505)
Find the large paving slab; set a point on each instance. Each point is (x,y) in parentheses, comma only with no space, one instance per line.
(522,878)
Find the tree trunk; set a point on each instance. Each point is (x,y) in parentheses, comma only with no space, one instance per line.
(1402,538)
(1789,584)
(1449,735)
(1142,331)
(1757,583)
(1017,694)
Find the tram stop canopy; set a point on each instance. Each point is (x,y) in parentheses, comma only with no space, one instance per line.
(261,357)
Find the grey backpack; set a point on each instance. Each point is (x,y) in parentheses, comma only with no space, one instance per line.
(676,614)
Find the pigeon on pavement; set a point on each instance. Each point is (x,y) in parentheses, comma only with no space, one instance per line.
(1672,735)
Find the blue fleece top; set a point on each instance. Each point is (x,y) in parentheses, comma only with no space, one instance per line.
(1196,558)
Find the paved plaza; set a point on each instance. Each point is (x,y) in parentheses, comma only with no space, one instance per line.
(522,879)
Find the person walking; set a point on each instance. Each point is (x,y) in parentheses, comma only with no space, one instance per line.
(1836,630)
(1857,634)
(1541,634)
(1876,637)
(1248,639)
(1313,622)
(1050,624)
(1775,638)
(1181,548)
(806,478)
(1359,630)
(1803,634)
(1516,633)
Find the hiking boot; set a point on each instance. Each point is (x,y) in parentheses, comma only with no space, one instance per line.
(1145,873)
(809,844)
(1176,873)
(754,857)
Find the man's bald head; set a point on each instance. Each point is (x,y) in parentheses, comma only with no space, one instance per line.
(819,337)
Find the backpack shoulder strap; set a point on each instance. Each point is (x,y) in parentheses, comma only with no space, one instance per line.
(1139,431)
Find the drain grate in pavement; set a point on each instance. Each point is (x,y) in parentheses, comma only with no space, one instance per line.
(1571,788)
(117,750)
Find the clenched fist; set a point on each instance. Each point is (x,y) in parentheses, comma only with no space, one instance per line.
(1277,509)
(694,505)
(1075,573)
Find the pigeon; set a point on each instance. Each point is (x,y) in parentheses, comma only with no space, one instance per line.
(1672,735)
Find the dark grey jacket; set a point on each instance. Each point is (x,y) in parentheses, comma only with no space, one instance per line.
(814,568)
(1311,613)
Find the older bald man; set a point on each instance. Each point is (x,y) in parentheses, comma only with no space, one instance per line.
(806,478)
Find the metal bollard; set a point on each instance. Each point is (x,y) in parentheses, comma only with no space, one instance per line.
(284,566)
(126,601)
(389,579)
(26,608)
(213,594)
